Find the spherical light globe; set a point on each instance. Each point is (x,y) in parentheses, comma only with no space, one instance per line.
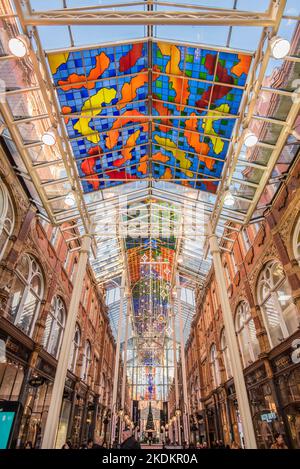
(18,46)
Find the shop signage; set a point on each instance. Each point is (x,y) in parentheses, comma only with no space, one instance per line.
(17,349)
(282,362)
(36,382)
(268,417)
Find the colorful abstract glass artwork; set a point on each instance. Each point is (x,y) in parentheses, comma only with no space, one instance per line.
(104,98)
(150,258)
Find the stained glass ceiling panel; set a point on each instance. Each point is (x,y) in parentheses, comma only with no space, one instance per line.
(106,94)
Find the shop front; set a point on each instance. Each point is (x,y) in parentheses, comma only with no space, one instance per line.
(90,415)
(223,417)
(286,368)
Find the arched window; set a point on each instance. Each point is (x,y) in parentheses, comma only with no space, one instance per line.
(274,294)
(85,295)
(7,218)
(225,354)
(75,349)
(296,241)
(55,325)
(245,330)
(86,361)
(27,294)
(215,371)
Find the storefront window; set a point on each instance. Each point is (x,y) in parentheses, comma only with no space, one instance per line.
(275,297)
(27,294)
(246,333)
(266,419)
(246,239)
(7,218)
(54,327)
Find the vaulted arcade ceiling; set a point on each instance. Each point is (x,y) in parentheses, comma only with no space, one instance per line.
(149,110)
